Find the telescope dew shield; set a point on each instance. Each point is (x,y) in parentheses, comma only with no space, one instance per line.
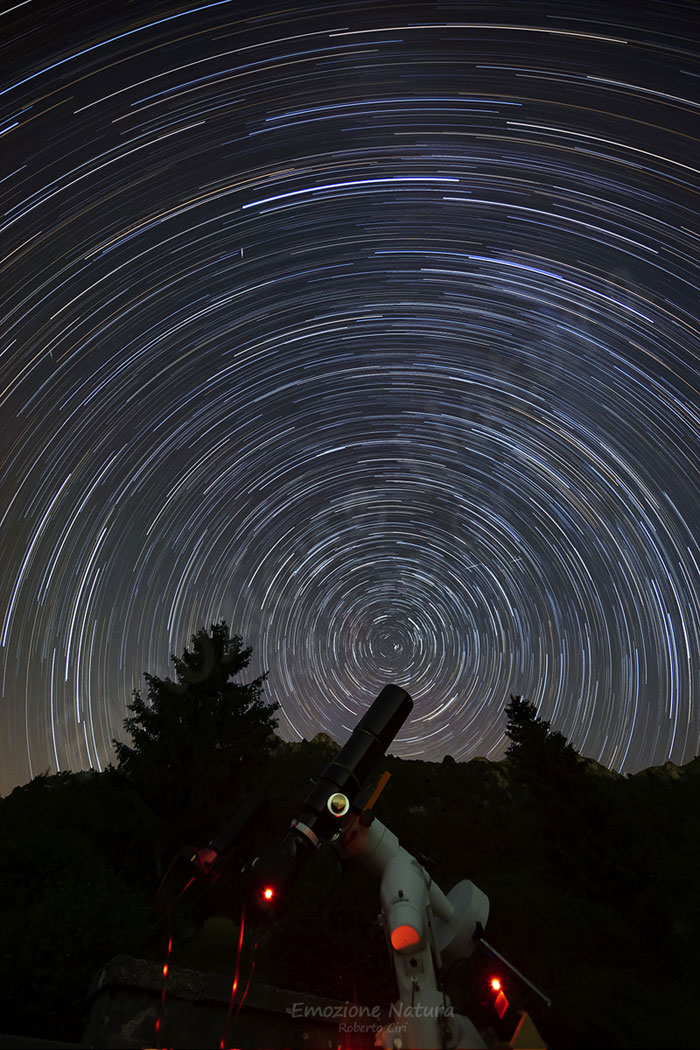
(385,717)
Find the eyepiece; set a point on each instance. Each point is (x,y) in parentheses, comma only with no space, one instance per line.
(338,804)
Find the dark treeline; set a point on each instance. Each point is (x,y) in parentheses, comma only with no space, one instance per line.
(591,876)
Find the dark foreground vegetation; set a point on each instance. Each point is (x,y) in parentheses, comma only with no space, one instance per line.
(592,876)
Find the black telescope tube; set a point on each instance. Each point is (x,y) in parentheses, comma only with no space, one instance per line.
(354,762)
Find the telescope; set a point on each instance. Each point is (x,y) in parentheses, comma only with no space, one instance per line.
(426,930)
(271,873)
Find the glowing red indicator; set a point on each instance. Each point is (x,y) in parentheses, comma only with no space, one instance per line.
(500,1003)
(268,893)
(404,937)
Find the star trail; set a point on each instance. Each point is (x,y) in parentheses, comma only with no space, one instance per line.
(371,328)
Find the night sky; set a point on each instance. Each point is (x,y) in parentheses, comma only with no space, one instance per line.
(371,328)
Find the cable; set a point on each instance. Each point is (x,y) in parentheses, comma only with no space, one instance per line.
(250,978)
(166,968)
(234,986)
(166,908)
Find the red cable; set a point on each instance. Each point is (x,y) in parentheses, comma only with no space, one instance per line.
(250,978)
(166,965)
(234,986)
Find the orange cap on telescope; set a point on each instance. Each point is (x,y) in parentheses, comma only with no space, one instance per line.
(404,937)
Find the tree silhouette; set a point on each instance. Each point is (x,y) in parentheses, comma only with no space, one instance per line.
(196,737)
(524,728)
(534,745)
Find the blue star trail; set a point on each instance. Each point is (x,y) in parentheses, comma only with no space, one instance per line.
(373,330)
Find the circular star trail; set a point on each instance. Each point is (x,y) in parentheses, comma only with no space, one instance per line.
(373,330)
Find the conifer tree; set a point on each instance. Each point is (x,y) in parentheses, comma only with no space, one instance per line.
(533,743)
(195,736)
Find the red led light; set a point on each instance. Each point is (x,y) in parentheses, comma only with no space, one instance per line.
(268,893)
(500,1003)
(404,937)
